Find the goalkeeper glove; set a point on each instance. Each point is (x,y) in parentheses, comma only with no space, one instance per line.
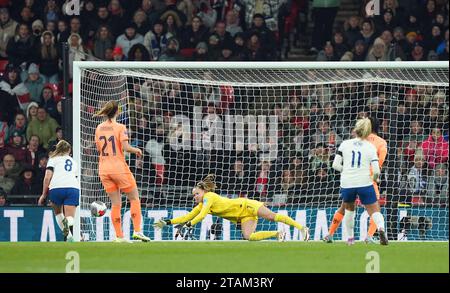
(161,223)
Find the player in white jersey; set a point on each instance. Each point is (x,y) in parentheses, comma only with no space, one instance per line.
(62,186)
(354,159)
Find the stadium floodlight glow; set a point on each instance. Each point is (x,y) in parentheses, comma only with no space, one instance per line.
(289,117)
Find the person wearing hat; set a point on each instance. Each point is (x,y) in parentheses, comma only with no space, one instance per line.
(213,47)
(117,54)
(8,28)
(37,28)
(129,38)
(418,52)
(386,22)
(17,148)
(34,82)
(201,52)
(155,41)
(265,35)
(27,183)
(22,48)
(226,53)
(172,51)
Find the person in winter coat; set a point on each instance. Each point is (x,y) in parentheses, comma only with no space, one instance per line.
(435,148)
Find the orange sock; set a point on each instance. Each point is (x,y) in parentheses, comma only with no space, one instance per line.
(116,219)
(136,214)
(372,228)
(337,219)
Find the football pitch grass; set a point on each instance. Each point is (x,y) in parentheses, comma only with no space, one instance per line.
(225,257)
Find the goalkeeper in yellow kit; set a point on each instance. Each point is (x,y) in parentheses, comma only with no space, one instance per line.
(238,210)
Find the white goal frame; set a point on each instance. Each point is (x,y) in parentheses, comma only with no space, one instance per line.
(79,65)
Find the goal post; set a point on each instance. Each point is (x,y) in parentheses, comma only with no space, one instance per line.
(268,131)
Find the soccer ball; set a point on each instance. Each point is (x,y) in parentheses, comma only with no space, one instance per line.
(98,208)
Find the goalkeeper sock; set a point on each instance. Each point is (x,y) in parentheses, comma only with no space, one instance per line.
(256,236)
(349,222)
(59,219)
(116,220)
(136,215)
(287,220)
(372,227)
(337,219)
(379,220)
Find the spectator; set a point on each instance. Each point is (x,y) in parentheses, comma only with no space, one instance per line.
(387,22)
(433,39)
(201,52)
(75,28)
(393,51)
(18,150)
(37,28)
(368,32)
(207,14)
(8,28)
(49,58)
(172,23)
(129,38)
(324,13)
(76,52)
(225,39)
(27,183)
(400,40)
(339,44)
(435,148)
(6,183)
(59,136)
(3,147)
(323,184)
(138,53)
(325,135)
(240,51)
(213,47)
(441,48)
(194,34)
(416,180)
(27,16)
(47,101)
(412,24)
(19,125)
(44,127)
(151,12)
(62,34)
(418,53)
(438,185)
(3,197)
(444,56)
(12,168)
(226,53)
(187,8)
(327,54)
(232,23)
(172,52)
(35,149)
(34,82)
(359,51)
(41,167)
(265,36)
(103,40)
(352,30)
(413,141)
(140,20)
(319,157)
(240,179)
(19,95)
(378,51)
(51,11)
(255,49)
(155,41)
(32,111)
(264,183)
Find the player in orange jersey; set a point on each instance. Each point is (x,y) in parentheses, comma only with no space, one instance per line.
(111,139)
(381,146)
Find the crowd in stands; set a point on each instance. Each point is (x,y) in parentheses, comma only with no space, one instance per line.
(31,37)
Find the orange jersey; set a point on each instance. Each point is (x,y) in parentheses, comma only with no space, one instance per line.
(381,146)
(108,138)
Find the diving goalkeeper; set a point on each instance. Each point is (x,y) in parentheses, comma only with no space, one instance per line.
(238,210)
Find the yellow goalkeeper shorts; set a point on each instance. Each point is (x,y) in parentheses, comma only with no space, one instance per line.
(250,210)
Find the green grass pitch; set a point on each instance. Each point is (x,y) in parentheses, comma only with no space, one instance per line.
(222,257)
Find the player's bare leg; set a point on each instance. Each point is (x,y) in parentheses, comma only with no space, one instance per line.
(337,219)
(68,221)
(267,214)
(136,215)
(349,221)
(374,212)
(59,215)
(248,231)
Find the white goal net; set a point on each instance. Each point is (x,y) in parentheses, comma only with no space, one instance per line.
(268,131)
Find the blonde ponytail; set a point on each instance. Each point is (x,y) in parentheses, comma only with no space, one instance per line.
(62,148)
(109,110)
(363,128)
(208,184)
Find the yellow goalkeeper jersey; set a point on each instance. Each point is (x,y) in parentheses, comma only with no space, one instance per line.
(235,209)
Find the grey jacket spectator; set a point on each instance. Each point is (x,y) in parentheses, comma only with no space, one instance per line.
(103,40)
(438,185)
(129,38)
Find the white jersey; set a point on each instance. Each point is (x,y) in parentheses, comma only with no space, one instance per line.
(357,156)
(65,171)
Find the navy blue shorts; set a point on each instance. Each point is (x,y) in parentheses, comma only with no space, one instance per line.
(65,196)
(366,194)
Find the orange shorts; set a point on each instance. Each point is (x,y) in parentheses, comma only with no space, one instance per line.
(124,182)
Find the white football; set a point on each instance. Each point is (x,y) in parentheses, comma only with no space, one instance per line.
(98,209)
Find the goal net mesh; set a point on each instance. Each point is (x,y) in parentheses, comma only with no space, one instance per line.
(270,135)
